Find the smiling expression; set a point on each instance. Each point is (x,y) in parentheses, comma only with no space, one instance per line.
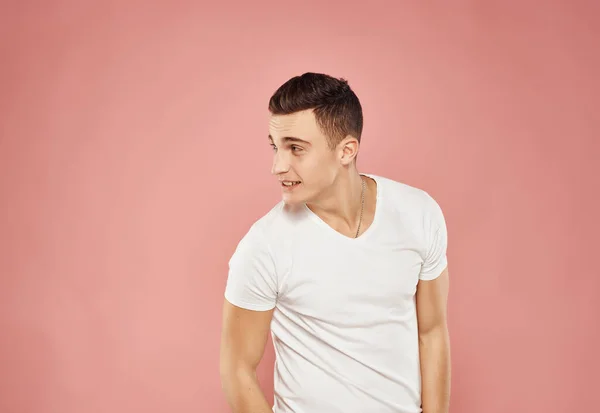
(303,161)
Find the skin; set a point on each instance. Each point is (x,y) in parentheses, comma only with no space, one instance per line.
(434,343)
(330,186)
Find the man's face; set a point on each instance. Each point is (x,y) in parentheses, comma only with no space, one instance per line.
(302,161)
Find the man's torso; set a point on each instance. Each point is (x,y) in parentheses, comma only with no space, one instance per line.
(344,326)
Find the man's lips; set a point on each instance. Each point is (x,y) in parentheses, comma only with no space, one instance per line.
(289,184)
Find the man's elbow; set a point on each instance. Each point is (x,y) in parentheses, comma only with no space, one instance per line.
(435,333)
(232,373)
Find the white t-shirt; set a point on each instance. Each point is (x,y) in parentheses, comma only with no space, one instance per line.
(344,326)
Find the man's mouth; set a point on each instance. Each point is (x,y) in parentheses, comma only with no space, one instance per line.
(290,184)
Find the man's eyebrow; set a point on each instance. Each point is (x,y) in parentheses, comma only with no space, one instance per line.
(291,139)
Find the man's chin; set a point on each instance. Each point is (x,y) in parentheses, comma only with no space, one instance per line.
(292,199)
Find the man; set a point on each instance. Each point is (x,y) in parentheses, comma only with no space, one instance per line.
(348,273)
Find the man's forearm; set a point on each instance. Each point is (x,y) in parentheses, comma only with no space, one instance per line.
(243,393)
(435,370)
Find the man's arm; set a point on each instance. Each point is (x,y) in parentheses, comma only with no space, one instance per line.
(243,339)
(434,343)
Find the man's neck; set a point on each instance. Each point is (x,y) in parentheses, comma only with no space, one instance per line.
(342,202)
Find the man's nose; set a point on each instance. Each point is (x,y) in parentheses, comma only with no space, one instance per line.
(280,164)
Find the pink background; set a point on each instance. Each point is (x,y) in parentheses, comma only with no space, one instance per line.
(133,156)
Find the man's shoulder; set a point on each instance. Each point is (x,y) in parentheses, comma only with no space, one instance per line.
(403,195)
(410,206)
(276,222)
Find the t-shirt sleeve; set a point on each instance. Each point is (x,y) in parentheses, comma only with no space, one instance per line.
(436,240)
(252,281)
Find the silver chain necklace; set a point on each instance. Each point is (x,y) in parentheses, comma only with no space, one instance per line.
(362,206)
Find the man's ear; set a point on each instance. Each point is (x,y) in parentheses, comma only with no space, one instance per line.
(348,150)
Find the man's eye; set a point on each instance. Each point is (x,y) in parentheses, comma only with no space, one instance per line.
(296,148)
(273,147)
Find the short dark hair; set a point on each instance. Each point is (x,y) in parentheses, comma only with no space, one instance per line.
(336,107)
